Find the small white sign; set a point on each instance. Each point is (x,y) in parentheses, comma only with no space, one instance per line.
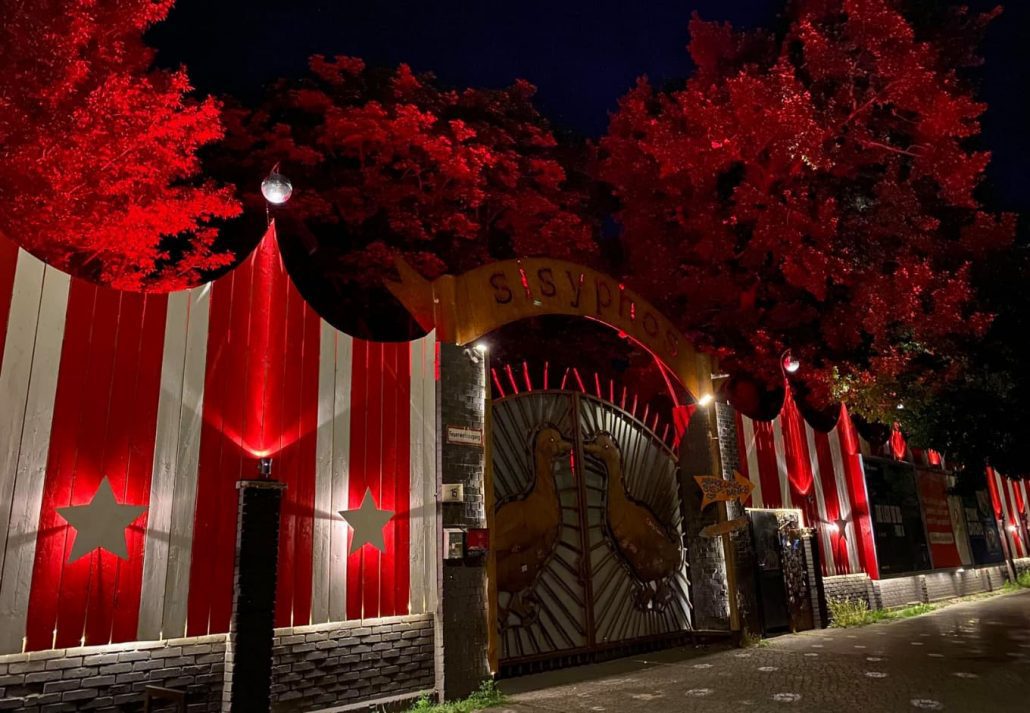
(453,543)
(464,436)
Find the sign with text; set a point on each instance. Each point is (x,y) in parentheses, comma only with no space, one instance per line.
(720,490)
(984,539)
(462,308)
(465,436)
(933,495)
(897,517)
(724,528)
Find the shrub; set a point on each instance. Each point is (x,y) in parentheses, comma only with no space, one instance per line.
(848,612)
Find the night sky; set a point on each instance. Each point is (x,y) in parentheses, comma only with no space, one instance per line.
(582,54)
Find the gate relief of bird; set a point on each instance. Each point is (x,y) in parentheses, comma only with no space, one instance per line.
(647,546)
(528,527)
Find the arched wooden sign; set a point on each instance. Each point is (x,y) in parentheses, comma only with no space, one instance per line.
(462,308)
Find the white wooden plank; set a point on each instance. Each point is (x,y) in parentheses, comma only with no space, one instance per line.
(27,496)
(162,482)
(820,500)
(187,462)
(432,477)
(781,463)
(14,376)
(755,475)
(851,533)
(418,522)
(323,475)
(340,479)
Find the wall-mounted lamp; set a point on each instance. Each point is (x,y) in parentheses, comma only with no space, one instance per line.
(705,400)
(265,468)
(477,352)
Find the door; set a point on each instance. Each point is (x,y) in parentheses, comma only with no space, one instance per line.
(587,529)
(783,583)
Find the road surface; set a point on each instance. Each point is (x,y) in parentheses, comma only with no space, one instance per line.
(972,657)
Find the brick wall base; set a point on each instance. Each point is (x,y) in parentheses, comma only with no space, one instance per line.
(916,589)
(314,668)
(332,665)
(1022,566)
(112,678)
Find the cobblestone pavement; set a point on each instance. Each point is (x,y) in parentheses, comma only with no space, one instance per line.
(972,657)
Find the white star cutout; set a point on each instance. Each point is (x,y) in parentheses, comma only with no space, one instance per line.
(367,522)
(101,523)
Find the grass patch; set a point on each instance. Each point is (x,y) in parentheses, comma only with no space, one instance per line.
(488,695)
(1022,582)
(749,640)
(845,613)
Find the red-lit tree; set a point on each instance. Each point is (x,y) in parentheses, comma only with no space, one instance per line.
(100,174)
(813,189)
(387,162)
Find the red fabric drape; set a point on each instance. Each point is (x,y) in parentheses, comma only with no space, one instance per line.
(681,416)
(897,443)
(857,490)
(995,495)
(799,466)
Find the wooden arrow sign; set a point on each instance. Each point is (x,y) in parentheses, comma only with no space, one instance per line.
(718,490)
(724,528)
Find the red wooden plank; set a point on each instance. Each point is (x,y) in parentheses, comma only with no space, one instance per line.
(117,413)
(402,482)
(359,427)
(212,441)
(283,420)
(69,412)
(388,476)
(142,436)
(71,606)
(234,462)
(370,561)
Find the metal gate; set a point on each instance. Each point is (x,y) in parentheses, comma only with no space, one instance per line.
(587,529)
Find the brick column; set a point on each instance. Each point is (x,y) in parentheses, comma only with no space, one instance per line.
(462,624)
(248,657)
(707,560)
(743,544)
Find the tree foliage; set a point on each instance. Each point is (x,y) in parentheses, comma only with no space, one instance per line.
(100,170)
(984,415)
(388,163)
(812,189)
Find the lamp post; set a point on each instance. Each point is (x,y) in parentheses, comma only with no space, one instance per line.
(788,364)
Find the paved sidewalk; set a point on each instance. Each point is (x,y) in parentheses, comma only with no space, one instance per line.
(972,657)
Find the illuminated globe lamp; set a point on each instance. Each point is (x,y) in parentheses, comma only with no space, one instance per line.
(789,363)
(276,188)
